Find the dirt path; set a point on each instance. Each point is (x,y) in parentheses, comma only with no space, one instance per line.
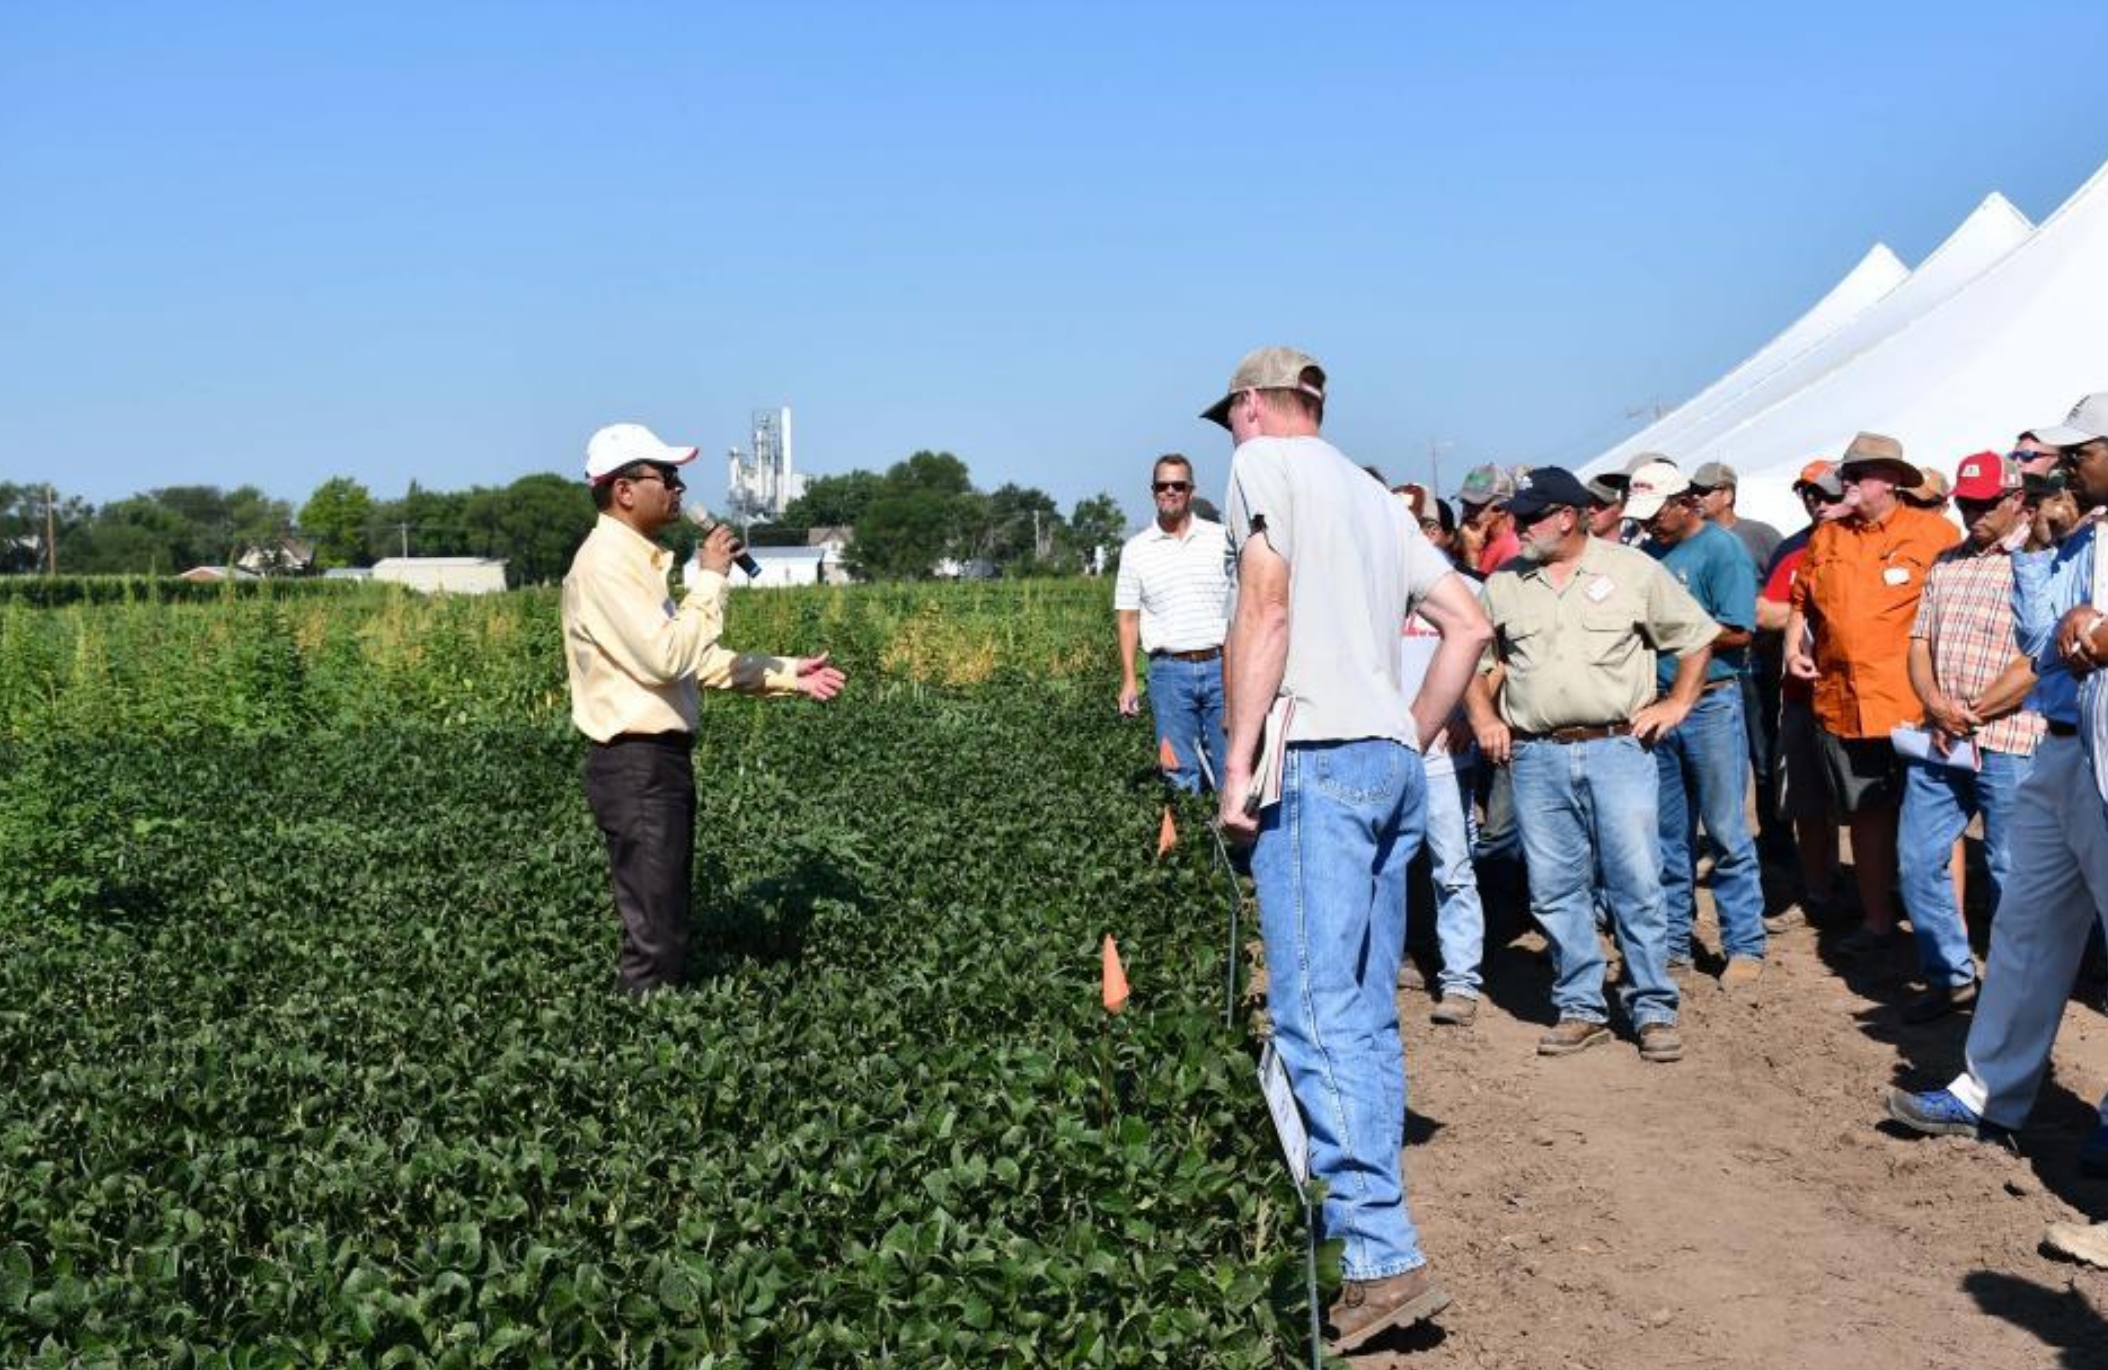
(1748,1206)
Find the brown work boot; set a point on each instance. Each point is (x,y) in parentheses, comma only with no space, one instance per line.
(1572,1035)
(1455,1010)
(1660,1042)
(1742,972)
(1367,1307)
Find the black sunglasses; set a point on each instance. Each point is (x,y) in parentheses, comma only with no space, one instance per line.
(1162,485)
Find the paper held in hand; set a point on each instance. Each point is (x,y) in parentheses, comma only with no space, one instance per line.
(1916,744)
(1288,1119)
(1273,748)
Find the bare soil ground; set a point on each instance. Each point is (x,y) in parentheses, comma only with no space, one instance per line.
(1749,1206)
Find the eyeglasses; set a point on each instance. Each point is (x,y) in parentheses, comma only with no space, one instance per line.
(1165,486)
(665,478)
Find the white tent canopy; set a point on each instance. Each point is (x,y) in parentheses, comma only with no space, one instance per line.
(1877,275)
(1994,229)
(1963,366)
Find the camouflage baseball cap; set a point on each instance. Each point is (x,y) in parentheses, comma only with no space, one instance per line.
(1486,485)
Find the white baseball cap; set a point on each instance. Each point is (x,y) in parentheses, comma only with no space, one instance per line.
(2087,421)
(1653,485)
(620,444)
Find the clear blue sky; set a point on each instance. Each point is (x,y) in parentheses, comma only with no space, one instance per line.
(273,243)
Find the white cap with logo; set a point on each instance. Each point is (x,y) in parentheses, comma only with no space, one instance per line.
(621,444)
(1653,485)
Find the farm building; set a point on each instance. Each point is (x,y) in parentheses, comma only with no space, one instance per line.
(784,566)
(443,575)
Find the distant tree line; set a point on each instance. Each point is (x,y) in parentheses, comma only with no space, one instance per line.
(920,515)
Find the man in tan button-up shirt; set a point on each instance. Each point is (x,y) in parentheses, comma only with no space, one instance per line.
(636,661)
(1567,701)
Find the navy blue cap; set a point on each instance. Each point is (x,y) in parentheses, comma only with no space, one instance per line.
(1547,487)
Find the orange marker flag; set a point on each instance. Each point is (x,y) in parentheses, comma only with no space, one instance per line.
(1114,977)
(1167,835)
(1166,759)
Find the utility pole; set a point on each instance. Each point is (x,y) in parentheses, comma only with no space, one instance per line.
(1435,448)
(51,530)
(404,529)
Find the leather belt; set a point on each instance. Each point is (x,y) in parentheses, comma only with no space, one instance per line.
(1579,732)
(680,740)
(1204,654)
(2057,729)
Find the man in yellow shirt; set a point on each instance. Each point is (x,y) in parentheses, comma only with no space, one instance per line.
(636,662)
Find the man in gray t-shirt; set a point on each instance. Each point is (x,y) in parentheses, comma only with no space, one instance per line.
(1327,567)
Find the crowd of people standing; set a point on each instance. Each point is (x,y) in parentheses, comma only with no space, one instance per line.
(1646,669)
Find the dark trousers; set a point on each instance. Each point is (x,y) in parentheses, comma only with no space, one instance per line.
(1760,716)
(642,793)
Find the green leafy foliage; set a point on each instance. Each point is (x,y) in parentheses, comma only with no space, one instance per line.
(309,1054)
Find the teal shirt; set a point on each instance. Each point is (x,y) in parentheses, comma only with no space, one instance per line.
(1715,567)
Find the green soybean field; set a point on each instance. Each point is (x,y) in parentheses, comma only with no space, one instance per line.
(310,1055)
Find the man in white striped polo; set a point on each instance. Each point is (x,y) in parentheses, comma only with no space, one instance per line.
(1169,601)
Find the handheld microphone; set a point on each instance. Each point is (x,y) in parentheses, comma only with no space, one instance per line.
(700,517)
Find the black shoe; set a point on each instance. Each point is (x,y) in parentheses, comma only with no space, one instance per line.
(1937,1003)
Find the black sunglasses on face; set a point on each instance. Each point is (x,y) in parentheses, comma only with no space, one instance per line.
(665,478)
(1165,485)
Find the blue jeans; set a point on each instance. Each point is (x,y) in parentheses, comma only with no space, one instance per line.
(1460,919)
(1938,802)
(1704,774)
(1330,869)
(1587,810)
(1185,699)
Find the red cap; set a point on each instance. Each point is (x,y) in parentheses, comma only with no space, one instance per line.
(1986,476)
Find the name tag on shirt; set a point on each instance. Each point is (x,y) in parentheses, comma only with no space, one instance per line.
(1896,575)
(1599,589)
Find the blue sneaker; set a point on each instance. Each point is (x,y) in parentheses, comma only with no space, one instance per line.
(2093,1153)
(1937,1113)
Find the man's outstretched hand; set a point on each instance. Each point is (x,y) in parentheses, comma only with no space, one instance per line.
(819,680)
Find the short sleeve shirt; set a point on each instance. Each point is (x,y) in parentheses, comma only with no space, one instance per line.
(1713,565)
(1859,588)
(1760,539)
(1357,566)
(1583,654)
(1966,619)
(1179,585)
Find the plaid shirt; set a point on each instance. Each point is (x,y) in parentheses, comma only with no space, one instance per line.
(1966,618)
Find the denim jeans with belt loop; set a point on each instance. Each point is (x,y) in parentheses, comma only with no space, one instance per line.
(1587,811)
(1704,773)
(1185,702)
(1330,867)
